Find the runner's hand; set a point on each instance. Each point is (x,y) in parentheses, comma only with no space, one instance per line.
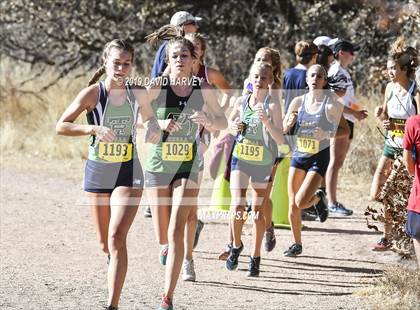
(170,125)
(104,134)
(236,125)
(291,120)
(199,117)
(262,114)
(153,133)
(359,115)
(388,125)
(378,111)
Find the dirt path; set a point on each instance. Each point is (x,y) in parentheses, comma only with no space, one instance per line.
(50,258)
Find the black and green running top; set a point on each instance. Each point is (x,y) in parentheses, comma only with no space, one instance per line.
(250,146)
(177,152)
(122,120)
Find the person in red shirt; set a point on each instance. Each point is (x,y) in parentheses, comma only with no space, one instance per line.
(411,157)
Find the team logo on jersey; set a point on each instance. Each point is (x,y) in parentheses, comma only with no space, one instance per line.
(184,120)
(252,127)
(119,124)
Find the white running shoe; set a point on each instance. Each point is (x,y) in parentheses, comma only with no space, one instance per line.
(188,272)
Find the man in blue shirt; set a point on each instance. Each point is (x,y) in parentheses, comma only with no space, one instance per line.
(294,82)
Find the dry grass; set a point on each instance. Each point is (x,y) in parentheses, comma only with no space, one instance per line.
(399,288)
(29,116)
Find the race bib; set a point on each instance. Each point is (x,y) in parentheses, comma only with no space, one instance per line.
(116,152)
(177,151)
(397,133)
(250,152)
(308,145)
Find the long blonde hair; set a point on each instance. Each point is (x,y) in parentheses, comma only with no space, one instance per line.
(117,43)
(275,64)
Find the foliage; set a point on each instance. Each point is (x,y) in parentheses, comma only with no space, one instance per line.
(394,197)
(70,35)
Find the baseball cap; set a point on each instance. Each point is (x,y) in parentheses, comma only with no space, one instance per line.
(182,17)
(322,40)
(344,45)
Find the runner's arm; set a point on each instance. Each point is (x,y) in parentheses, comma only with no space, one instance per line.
(217,79)
(85,101)
(381,112)
(234,117)
(408,161)
(292,113)
(217,119)
(274,124)
(335,115)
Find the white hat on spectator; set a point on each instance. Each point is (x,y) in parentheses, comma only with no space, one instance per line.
(322,40)
(182,17)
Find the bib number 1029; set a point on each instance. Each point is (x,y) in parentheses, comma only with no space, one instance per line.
(177,151)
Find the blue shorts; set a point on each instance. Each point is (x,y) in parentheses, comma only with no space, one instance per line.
(318,162)
(412,226)
(101,177)
(258,174)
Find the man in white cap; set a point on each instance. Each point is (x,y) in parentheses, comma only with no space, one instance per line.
(181,19)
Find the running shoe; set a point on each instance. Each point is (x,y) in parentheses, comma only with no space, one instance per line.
(166,304)
(147,212)
(293,251)
(382,245)
(269,238)
(321,207)
(225,253)
(163,255)
(188,272)
(254,266)
(338,209)
(110,308)
(199,228)
(309,214)
(232,260)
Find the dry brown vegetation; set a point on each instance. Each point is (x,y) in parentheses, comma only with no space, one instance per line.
(397,289)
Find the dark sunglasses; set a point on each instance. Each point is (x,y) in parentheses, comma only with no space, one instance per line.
(189,23)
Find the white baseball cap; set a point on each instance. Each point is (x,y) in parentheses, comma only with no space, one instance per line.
(322,40)
(332,42)
(181,17)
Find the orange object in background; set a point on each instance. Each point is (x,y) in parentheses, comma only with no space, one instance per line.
(356,106)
